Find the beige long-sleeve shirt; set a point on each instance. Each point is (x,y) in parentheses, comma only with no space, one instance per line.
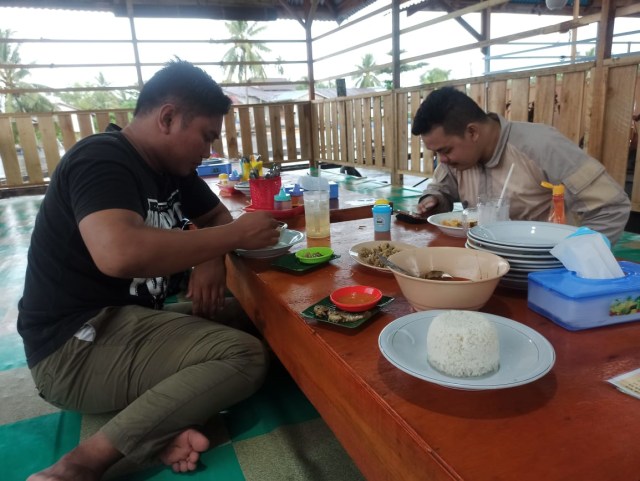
(539,153)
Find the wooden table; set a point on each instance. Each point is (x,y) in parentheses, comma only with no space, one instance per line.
(569,425)
(350,204)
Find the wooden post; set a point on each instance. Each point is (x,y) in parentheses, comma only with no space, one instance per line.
(392,150)
(134,43)
(599,79)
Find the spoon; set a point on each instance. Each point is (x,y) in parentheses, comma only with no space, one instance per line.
(394,266)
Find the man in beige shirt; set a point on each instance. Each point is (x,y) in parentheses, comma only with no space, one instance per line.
(476,150)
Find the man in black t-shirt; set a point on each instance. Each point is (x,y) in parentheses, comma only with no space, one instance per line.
(105,242)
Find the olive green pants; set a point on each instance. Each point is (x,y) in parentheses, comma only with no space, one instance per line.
(163,371)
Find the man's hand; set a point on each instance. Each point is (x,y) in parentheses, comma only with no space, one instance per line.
(207,284)
(256,230)
(427,204)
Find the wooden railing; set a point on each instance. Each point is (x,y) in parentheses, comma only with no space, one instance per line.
(370,131)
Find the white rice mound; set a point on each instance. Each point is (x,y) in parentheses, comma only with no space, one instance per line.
(463,344)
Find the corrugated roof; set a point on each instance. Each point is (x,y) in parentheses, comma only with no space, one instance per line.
(250,10)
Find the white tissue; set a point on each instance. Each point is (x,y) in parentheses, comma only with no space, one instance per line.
(588,256)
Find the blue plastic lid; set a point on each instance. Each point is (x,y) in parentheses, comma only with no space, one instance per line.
(568,284)
(234,175)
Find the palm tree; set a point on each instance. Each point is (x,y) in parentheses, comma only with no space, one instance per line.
(366,76)
(243,51)
(13,78)
(434,75)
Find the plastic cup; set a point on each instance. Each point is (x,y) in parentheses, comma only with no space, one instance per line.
(316,213)
(490,211)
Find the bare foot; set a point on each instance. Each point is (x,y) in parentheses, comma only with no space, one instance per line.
(87,462)
(183,452)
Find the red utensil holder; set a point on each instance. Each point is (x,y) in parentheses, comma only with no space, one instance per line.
(263,191)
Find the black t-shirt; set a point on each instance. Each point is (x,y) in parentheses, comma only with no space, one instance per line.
(63,286)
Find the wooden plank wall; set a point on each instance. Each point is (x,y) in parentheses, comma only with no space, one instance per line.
(372,130)
(43,137)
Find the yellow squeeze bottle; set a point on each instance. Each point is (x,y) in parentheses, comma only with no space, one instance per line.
(246,168)
(556,214)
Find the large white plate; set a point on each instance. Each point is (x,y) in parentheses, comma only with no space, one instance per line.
(353,252)
(522,233)
(525,355)
(528,255)
(436,220)
(288,238)
(511,250)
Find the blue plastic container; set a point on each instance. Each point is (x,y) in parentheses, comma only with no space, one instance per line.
(576,303)
(381,216)
(213,167)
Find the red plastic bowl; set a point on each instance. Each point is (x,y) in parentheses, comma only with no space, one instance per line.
(356,298)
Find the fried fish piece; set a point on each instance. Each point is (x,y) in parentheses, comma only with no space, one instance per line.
(338,316)
(320,310)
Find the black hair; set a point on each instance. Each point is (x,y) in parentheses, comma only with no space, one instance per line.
(190,88)
(448,108)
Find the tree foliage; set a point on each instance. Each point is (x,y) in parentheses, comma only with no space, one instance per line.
(405,67)
(243,51)
(14,78)
(366,74)
(99,99)
(435,75)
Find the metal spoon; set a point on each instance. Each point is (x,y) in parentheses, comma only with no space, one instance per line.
(394,266)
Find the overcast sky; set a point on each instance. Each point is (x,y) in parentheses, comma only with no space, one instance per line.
(55,24)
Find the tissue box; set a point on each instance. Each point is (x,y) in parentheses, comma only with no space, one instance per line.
(575,303)
(213,167)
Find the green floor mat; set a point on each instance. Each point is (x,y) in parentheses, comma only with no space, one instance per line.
(31,445)
(279,402)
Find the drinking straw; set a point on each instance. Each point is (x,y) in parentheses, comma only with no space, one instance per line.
(506,184)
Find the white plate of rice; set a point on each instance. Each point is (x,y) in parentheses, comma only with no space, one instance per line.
(525,355)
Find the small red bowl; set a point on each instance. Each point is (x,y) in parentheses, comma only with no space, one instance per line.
(356,298)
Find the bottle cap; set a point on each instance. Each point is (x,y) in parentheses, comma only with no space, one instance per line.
(297,191)
(282,196)
(381,202)
(555,189)
(234,175)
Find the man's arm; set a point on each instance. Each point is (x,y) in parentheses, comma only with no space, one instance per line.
(219,215)
(207,282)
(122,245)
(440,193)
(598,201)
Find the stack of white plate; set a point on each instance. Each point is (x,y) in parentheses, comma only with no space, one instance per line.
(524,244)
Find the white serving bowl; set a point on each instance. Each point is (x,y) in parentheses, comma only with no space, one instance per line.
(482,269)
